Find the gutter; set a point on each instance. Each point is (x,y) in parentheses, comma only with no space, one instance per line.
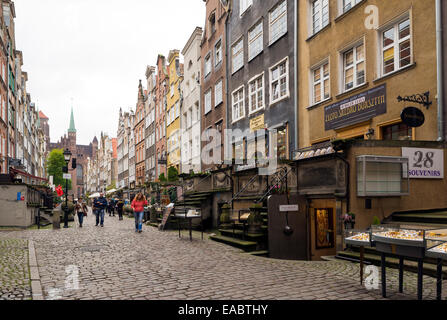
(7,107)
(440,69)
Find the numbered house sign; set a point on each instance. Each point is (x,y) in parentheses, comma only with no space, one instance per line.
(424,163)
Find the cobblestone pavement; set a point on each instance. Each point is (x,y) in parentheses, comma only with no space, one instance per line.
(116,263)
(14,270)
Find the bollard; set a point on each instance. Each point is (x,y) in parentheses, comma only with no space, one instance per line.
(57,218)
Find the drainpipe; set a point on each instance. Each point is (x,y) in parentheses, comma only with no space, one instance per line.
(7,107)
(440,66)
(295,56)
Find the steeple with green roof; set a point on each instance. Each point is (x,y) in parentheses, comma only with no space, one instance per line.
(72,128)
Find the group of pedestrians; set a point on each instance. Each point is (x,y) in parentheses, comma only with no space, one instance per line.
(101,205)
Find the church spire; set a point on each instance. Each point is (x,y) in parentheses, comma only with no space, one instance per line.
(72,128)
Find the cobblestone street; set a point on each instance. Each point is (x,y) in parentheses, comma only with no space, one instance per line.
(14,271)
(116,263)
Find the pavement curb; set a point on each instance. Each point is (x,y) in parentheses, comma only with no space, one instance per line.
(36,285)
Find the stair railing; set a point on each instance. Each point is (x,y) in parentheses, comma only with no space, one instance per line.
(279,177)
(238,195)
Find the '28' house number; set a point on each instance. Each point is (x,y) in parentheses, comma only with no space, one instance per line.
(424,163)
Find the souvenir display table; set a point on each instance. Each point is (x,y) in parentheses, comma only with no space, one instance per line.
(404,243)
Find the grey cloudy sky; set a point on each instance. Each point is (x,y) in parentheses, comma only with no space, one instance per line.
(95,51)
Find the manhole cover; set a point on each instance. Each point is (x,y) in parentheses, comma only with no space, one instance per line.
(92,248)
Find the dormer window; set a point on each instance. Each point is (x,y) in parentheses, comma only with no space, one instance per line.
(212,20)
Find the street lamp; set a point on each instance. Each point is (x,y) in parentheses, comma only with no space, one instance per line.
(67,157)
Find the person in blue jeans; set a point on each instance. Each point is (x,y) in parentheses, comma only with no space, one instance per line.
(100,204)
(138,205)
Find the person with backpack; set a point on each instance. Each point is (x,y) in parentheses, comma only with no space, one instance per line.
(119,208)
(81,210)
(138,205)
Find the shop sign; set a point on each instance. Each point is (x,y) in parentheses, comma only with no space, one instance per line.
(67,176)
(412,117)
(257,123)
(359,108)
(289,208)
(424,163)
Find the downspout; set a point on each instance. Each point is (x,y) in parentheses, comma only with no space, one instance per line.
(440,67)
(295,48)
(7,107)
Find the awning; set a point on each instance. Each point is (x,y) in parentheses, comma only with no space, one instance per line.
(95,195)
(111,191)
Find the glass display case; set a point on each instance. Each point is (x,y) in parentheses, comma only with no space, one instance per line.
(395,235)
(359,238)
(437,244)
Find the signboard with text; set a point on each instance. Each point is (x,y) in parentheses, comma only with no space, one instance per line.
(424,163)
(67,176)
(356,109)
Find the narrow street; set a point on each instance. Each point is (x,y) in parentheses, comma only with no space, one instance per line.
(116,263)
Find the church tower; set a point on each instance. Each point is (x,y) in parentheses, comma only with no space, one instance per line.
(74,152)
(72,133)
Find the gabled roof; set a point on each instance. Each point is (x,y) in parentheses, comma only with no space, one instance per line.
(42,115)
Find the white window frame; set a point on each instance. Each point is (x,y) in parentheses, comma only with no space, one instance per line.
(216,60)
(287,95)
(317,11)
(206,109)
(244,5)
(320,68)
(218,99)
(255,39)
(238,102)
(347,3)
(257,90)
(234,67)
(207,62)
(356,62)
(396,44)
(271,23)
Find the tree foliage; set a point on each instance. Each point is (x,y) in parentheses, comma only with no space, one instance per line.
(55,163)
(172,174)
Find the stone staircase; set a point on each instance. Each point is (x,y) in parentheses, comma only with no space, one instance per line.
(252,243)
(436,218)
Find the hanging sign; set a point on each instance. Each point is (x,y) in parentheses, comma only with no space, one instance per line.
(412,117)
(67,176)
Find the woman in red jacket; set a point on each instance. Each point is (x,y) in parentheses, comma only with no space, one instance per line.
(138,205)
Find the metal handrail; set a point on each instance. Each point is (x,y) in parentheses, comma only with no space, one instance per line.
(278,180)
(252,180)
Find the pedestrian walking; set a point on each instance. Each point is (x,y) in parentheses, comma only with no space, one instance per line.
(111,207)
(119,208)
(101,205)
(138,205)
(81,210)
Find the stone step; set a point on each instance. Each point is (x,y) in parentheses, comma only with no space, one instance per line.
(239,234)
(261,253)
(241,244)
(411,266)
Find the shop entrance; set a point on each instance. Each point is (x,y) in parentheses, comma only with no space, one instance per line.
(322,228)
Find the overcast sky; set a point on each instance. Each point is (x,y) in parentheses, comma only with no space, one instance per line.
(95,51)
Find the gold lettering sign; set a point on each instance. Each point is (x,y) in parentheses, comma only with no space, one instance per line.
(257,123)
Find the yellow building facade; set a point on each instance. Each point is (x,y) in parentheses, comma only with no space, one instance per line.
(173,109)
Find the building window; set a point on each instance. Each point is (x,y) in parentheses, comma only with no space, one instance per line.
(212,20)
(320,15)
(172,90)
(238,104)
(281,143)
(354,67)
(396,47)
(320,85)
(256,94)
(382,176)
(218,95)
(348,4)
(398,131)
(244,5)
(218,53)
(208,101)
(237,53)
(207,65)
(279,81)
(278,21)
(255,40)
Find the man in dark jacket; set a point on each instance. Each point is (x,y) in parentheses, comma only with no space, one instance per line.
(100,204)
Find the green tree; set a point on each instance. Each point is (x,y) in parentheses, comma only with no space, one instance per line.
(112,186)
(172,174)
(55,163)
(162,177)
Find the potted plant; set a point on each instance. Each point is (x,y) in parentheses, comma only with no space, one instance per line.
(349,219)
(165,199)
(255,219)
(225,215)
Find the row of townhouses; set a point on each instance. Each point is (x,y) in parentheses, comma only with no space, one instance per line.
(24,131)
(344,97)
